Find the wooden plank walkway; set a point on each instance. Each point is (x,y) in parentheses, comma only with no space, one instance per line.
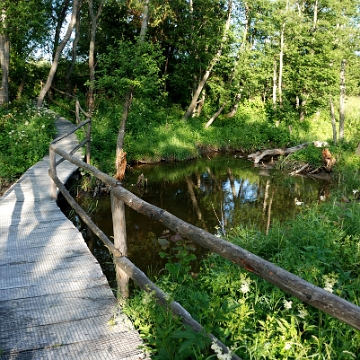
(55,302)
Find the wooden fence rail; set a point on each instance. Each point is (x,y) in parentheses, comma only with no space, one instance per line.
(325,301)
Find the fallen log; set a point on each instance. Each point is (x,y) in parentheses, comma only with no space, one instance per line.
(298,171)
(283,152)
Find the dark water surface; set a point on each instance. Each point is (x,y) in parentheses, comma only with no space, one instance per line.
(214,194)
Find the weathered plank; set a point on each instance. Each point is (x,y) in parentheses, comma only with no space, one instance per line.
(55,302)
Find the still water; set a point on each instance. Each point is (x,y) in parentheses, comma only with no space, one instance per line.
(214,194)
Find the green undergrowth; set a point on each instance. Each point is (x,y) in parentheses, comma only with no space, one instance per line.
(155,132)
(254,318)
(25,135)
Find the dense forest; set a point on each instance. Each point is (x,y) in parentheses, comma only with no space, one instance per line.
(166,80)
(153,63)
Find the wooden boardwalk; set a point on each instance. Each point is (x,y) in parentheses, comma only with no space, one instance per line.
(55,302)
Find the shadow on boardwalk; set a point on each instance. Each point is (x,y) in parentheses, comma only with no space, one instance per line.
(55,302)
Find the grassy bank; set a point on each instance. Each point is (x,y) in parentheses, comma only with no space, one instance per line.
(251,316)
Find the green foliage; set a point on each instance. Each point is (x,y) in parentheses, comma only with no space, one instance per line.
(127,64)
(310,155)
(252,316)
(25,135)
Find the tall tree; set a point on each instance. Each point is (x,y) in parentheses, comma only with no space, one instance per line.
(59,14)
(211,65)
(94,19)
(4,59)
(24,26)
(54,65)
(120,162)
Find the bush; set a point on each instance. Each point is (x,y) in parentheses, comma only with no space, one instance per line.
(25,135)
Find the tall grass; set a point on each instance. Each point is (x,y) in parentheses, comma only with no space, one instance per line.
(322,245)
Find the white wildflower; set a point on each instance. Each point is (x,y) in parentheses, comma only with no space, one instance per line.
(245,284)
(287,346)
(219,352)
(302,312)
(26,123)
(287,304)
(244,288)
(355,191)
(43,126)
(330,280)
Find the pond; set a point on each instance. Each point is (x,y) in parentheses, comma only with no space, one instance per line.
(215,194)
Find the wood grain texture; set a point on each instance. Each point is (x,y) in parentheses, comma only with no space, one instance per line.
(55,302)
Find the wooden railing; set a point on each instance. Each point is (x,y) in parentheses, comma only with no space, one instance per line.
(323,300)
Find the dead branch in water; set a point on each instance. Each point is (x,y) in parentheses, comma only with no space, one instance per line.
(283,152)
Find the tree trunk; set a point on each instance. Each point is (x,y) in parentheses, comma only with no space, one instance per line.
(333,121)
(282,152)
(274,84)
(21,86)
(342,101)
(281,62)
(94,18)
(302,110)
(73,53)
(120,161)
(145,21)
(61,16)
(59,49)
(214,117)
(213,62)
(315,15)
(237,99)
(5,61)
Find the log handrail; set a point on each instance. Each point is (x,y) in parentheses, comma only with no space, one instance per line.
(321,299)
(134,272)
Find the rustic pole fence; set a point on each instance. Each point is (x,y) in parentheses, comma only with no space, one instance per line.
(129,270)
(313,295)
(119,226)
(325,301)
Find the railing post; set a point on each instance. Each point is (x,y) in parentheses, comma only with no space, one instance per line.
(77,111)
(53,187)
(88,144)
(119,226)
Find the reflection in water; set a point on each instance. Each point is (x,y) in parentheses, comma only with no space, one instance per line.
(215,195)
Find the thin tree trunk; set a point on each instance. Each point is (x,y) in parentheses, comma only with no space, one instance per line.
(233,110)
(333,121)
(200,104)
(237,97)
(21,86)
(120,162)
(342,100)
(59,23)
(94,18)
(214,117)
(59,49)
(145,21)
(213,62)
(281,62)
(74,53)
(4,61)
(274,84)
(302,110)
(315,15)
